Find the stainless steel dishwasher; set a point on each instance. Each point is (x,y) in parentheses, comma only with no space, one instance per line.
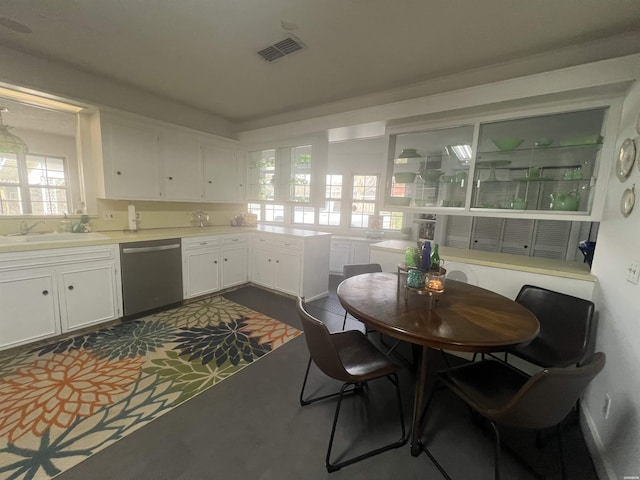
(151,275)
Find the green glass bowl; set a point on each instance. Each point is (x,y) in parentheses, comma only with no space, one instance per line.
(507,144)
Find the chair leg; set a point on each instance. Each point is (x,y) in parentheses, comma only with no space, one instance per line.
(496,450)
(309,401)
(344,320)
(421,424)
(563,466)
(332,467)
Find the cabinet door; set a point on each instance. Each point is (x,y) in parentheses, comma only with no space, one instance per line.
(234,267)
(340,256)
(223,181)
(360,252)
(29,310)
(87,295)
(287,273)
(130,155)
(204,273)
(181,159)
(263,267)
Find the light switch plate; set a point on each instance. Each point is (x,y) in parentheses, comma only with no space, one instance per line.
(633,272)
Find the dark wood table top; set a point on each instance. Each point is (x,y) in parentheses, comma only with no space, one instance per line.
(463,318)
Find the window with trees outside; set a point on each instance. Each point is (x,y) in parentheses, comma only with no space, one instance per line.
(330,213)
(35,184)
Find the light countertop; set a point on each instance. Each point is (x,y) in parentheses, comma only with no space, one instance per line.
(120,236)
(545,266)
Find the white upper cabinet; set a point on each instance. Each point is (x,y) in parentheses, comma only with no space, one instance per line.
(130,159)
(181,159)
(223,181)
(141,159)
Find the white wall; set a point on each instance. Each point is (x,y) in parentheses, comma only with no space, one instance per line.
(618,304)
(358,156)
(28,71)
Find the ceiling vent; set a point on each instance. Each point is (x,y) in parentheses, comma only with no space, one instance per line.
(280,49)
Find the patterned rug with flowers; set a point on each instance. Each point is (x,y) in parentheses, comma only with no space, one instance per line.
(65,401)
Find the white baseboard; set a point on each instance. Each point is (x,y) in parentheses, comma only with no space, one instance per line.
(596,448)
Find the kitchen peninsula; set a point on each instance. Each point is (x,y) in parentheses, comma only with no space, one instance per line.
(501,272)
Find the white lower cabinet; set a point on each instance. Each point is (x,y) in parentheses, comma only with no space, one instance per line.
(87,294)
(234,264)
(213,262)
(293,265)
(48,292)
(345,251)
(29,312)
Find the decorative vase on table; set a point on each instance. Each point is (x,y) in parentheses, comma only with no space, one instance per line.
(426,256)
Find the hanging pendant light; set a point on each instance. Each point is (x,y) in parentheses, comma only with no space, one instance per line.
(10,143)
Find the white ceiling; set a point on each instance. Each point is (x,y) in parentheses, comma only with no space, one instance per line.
(202,53)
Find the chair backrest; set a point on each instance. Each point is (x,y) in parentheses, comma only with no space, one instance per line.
(360,268)
(321,348)
(548,396)
(566,327)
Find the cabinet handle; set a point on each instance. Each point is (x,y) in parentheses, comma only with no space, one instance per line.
(210,181)
(118,172)
(277,261)
(170,178)
(45,292)
(269,259)
(70,287)
(215,261)
(225,259)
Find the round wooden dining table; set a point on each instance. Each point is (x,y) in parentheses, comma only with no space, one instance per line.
(463,318)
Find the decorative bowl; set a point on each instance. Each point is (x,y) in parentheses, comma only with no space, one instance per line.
(507,144)
(409,153)
(430,174)
(405,177)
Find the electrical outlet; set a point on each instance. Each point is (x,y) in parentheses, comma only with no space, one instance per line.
(108,216)
(606,406)
(633,272)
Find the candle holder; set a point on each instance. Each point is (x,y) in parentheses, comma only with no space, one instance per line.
(434,281)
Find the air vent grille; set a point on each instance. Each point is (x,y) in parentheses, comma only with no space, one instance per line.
(279,49)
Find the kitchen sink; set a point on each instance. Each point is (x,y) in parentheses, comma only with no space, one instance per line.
(51,237)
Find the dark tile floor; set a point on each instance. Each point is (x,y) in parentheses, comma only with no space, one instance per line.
(251,426)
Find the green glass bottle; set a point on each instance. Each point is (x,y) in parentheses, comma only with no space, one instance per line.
(435,258)
(409,259)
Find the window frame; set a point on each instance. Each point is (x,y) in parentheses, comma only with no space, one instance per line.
(26,201)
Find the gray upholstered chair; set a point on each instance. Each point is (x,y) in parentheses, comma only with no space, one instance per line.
(358,269)
(347,356)
(567,330)
(505,396)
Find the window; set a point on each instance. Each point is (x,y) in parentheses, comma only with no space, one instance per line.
(273,213)
(392,220)
(363,199)
(304,215)
(330,213)
(255,208)
(32,183)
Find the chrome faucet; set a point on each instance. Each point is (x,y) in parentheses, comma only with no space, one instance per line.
(26,228)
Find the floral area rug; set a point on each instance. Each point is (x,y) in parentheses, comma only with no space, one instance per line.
(65,401)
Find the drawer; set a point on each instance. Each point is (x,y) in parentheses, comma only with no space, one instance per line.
(234,240)
(288,243)
(200,242)
(60,256)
